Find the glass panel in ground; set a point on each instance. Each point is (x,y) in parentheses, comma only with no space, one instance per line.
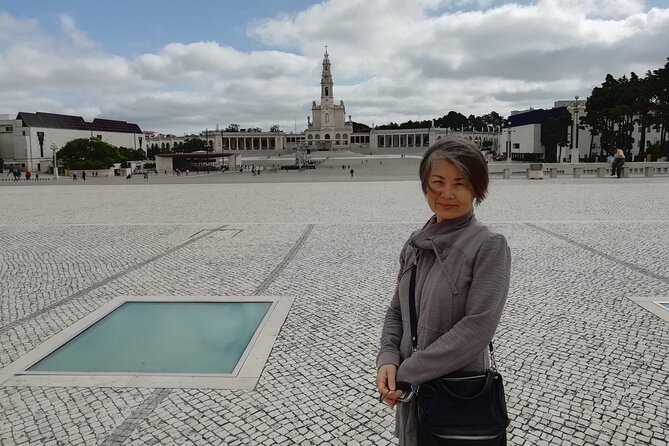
(162,337)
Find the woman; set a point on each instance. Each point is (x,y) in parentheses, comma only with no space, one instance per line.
(462,280)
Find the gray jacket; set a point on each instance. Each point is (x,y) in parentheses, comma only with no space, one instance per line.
(462,280)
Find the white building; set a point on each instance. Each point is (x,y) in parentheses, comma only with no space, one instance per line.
(27,141)
(522,136)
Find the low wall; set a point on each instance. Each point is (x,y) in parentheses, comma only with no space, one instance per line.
(552,170)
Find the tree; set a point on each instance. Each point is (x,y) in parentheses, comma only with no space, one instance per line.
(600,115)
(232,128)
(416,124)
(493,120)
(275,129)
(620,105)
(132,154)
(360,128)
(390,126)
(658,82)
(89,154)
(191,145)
(453,120)
(475,123)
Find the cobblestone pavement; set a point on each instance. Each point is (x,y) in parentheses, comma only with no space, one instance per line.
(583,364)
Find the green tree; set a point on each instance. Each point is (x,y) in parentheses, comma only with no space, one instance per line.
(658,85)
(493,120)
(415,124)
(620,105)
(360,128)
(600,117)
(132,154)
(89,154)
(191,145)
(453,120)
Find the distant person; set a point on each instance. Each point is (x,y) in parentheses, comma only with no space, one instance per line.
(74,176)
(352,172)
(28,175)
(146,175)
(618,162)
(36,176)
(83,175)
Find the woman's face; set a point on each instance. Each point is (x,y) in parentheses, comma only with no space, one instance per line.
(448,195)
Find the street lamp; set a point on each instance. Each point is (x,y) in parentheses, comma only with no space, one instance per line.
(573,144)
(508,144)
(54,149)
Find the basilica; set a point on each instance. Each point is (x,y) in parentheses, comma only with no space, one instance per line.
(29,141)
(328,128)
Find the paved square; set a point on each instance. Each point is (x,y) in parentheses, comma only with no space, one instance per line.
(583,363)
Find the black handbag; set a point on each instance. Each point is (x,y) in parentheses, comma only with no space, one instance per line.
(459,409)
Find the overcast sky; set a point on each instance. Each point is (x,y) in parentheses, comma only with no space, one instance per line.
(182,67)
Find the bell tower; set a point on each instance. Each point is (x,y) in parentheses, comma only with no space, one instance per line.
(327,96)
(327,129)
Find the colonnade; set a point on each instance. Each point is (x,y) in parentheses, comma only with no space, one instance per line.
(403,140)
(248,143)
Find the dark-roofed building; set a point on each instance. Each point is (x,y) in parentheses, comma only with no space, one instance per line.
(523,134)
(27,140)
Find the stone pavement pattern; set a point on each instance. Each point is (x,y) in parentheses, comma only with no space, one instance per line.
(583,364)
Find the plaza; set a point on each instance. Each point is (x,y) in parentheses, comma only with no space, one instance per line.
(583,361)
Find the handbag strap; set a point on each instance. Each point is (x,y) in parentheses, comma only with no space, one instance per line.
(413,318)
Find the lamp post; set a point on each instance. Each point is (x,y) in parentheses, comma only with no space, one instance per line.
(574,152)
(508,144)
(54,149)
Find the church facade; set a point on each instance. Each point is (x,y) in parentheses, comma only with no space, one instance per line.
(327,127)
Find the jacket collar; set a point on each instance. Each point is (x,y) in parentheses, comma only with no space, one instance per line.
(441,234)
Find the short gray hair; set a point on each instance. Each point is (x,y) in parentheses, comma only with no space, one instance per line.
(465,156)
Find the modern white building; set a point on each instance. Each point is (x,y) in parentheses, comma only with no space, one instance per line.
(522,135)
(27,141)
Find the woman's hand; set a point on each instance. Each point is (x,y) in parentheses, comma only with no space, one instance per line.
(385,384)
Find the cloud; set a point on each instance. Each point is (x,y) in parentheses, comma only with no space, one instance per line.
(74,34)
(392,60)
